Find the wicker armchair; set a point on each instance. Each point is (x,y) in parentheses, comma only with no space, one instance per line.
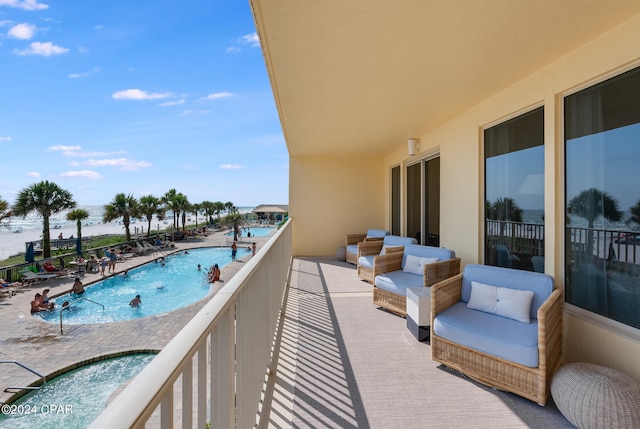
(368,250)
(352,241)
(397,301)
(532,383)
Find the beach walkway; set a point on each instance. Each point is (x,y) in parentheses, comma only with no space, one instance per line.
(40,346)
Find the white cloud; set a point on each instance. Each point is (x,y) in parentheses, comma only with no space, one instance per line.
(43,49)
(24,4)
(233,49)
(250,39)
(191,112)
(231,166)
(217,95)
(22,31)
(64,148)
(82,174)
(5,139)
(84,74)
(121,163)
(137,94)
(173,103)
(33,174)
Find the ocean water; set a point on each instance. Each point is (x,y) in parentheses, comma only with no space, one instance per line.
(59,220)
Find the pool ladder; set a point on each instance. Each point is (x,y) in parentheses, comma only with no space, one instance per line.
(44,379)
(66,307)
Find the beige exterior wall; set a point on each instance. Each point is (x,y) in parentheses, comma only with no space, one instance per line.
(587,337)
(330,197)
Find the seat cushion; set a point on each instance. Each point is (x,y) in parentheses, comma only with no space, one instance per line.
(366,261)
(398,282)
(495,335)
(352,249)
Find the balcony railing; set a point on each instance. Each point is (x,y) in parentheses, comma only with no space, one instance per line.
(215,369)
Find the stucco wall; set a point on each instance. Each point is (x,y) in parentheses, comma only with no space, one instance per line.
(460,146)
(330,197)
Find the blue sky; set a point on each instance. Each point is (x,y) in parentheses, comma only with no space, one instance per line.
(139,97)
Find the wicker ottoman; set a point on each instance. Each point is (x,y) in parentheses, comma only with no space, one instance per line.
(593,396)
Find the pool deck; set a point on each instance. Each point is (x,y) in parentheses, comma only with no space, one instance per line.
(40,346)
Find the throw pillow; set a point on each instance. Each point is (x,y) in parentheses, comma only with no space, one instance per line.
(415,264)
(512,303)
(412,265)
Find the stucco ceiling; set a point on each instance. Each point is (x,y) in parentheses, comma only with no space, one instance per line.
(363,76)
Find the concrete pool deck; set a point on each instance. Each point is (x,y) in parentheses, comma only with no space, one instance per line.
(40,346)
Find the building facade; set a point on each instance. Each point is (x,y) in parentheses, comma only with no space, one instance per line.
(525,144)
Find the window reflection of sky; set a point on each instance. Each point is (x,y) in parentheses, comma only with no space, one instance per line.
(515,175)
(608,161)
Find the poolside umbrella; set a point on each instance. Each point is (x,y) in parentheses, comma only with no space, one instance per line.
(79,246)
(30,256)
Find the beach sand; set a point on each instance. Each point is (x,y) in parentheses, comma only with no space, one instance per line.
(12,243)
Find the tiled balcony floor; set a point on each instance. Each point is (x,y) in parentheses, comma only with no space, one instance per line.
(344,363)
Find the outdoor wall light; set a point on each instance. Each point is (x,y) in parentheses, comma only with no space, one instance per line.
(413,144)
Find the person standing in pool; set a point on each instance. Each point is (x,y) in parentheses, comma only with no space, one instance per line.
(135,302)
(234,250)
(77,287)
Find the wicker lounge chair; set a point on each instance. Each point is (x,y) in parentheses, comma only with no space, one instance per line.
(391,281)
(525,356)
(368,250)
(352,240)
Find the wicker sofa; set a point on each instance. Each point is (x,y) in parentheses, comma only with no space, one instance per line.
(415,267)
(368,250)
(352,240)
(494,345)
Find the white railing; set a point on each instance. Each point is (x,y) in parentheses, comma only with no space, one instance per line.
(215,369)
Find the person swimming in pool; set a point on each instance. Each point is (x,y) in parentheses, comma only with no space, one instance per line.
(135,302)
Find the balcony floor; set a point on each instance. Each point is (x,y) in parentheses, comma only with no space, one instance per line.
(344,363)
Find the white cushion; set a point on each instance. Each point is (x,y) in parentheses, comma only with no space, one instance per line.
(414,264)
(502,301)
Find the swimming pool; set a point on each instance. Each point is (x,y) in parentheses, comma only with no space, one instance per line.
(162,287)
(73,399)
(256,231)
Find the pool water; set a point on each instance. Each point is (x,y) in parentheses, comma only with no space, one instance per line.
(162,286)
(74,399)
(255,231)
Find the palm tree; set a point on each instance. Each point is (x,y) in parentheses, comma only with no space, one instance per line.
(209,209)
(183,206)
(78,215)
(591,204)
(234,220)
(123,206)
(230,208)
(46,198)
(219,208)
(5,212)
(195,208)
(175,201)
(505,209)
(635,212)
(147,207)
